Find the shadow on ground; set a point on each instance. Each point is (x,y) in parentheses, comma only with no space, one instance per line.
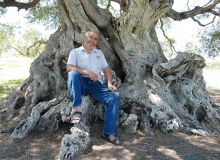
(135,147)
(172,146)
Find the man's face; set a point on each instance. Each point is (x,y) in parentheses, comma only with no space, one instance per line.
(91,39)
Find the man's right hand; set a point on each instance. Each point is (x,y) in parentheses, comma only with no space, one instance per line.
(86,72)
(93,76)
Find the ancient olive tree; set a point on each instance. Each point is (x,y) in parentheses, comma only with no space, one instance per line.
(169,95)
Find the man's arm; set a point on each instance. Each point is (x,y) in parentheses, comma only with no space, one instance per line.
(71,67)
(85,72)
(108,77)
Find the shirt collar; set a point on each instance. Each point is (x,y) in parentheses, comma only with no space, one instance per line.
(83,49)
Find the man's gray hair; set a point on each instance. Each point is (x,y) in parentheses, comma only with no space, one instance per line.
(94,31)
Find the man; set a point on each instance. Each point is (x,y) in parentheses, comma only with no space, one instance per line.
(85,65)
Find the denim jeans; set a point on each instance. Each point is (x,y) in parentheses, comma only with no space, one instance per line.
(79,85)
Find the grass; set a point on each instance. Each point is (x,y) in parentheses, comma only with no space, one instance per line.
(7,65)
(6,86)
(215,90)
(213,65)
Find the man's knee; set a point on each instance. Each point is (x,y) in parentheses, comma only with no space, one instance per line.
(73,74)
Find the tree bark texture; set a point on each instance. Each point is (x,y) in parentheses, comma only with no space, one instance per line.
(155,93)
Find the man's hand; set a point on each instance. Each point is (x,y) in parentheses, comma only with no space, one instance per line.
(86,72)
(93,76)
(111,87)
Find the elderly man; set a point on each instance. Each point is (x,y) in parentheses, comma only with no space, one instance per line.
(84,78)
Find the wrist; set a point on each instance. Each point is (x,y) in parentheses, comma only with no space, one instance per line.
(85,72)
(109,82)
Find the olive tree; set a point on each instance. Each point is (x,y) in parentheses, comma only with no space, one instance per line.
(157,93)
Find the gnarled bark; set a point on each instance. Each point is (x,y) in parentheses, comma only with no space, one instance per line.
(155,93)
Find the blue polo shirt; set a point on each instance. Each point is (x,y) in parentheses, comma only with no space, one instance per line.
(94,61)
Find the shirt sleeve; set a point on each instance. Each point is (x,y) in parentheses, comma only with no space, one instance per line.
(72,57)
(104,62)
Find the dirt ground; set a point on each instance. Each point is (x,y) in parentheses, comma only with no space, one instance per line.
(172,146)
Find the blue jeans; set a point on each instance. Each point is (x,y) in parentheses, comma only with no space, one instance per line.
(79,85)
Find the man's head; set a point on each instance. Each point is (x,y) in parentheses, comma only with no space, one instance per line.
(90,40)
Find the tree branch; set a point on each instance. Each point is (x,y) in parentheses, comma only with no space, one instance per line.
(124,5)
(109,4)
(100,18)
(19,5)
(194,12)
(5,25)
(172,48)
(16,50)
(197,21)
(35,44)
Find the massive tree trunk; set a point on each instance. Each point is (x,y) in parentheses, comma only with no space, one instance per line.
(155,93)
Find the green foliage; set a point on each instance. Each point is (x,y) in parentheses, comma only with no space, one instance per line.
(45,12)
(210,40)
(7,86)
(214,65)
(191,48)
(189,105)
(6,36)
(2,11)
(31,43)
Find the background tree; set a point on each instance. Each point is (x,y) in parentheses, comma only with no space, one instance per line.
(167,43)
(191,48)
(28,42)
(31,43)
(155,93)
(46,13)
(2,11)
(210,40)
(6,37)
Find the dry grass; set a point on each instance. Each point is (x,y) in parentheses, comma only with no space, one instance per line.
(13,68)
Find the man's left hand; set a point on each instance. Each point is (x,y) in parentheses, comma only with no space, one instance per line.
(111,87)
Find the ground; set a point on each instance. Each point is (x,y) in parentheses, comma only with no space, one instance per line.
(171,146)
